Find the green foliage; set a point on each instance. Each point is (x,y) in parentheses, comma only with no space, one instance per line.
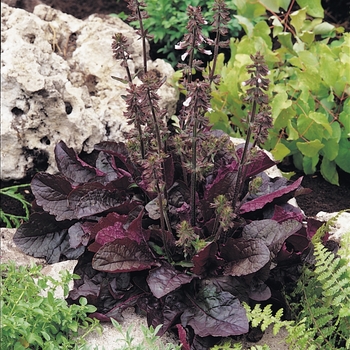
(309,92)
(11,220)
(150,339)
(31,320)
(168,19)
(323,307)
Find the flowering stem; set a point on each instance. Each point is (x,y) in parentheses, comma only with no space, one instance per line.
(143,36)
(242,162)
(193,173)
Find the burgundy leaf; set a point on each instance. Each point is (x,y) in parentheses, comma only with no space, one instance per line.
(260,202)
(93,198)
(312,226)
(118,150)
(216,313)
(110,228)
(135,230)
(77,236)
(244,256)
(287,211)
(183,339)
(260,162)
(206,259)
(106,164)
(169,170)
(43,237)
(271,232)
(259,291)
(51,192)
(223,182)
(165,279)
(123,255)
(72,167)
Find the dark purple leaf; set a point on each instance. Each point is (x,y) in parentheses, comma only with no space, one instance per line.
(260,202)
(260,162)
(233,285)
(259,291)
(118,150)
(206,259)
(51,192)
(135,230)
(123,255)
(312,225)
(223,183)
(165,279)
(109,228)
(93,198)
(169,170)
(72,167)
(244,256)
(216,313)
(106,164)
(286,212)
(77,236)
(43,237)
(271,232)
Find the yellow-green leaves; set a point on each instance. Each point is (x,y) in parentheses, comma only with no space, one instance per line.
(309,86)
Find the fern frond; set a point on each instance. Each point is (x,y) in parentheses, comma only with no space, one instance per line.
(323,294)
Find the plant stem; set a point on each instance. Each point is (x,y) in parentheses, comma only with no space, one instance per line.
(193,173)
(143,36)
(241,173)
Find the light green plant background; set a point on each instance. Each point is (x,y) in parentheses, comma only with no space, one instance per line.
(309,61)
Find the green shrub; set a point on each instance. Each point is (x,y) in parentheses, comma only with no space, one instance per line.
(309,71)
(168,20)
(30,320)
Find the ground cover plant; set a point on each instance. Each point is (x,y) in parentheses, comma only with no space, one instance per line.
(14,220)
(32,320)
(176,221)
(309,67)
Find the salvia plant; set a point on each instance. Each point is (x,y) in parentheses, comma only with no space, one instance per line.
(176,220)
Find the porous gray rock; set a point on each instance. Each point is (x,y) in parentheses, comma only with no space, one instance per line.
(56,85)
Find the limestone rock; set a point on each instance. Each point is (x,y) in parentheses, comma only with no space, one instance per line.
(56,85)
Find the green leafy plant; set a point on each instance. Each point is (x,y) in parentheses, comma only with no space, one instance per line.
(31,320)
(150,339)
(322,299)
(9,219)
(309,91)
(167,23)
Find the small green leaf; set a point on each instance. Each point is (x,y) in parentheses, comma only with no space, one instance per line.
(279,102)
(274,5)
(329,171)
(343,158)
(246,24)
(280,151)
(291,131)
(314,7)
(309,164)
(285,39)
(331,148)
(324,29)
(297,19)
(322,120)
(310,149)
